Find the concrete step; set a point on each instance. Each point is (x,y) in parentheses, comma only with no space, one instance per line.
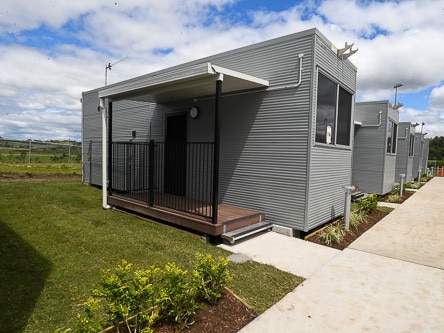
(252,229)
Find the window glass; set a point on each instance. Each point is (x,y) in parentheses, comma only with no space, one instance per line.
(395,138)
(344,117)
(333,113)
(411,144)
(325,109)
(392,134)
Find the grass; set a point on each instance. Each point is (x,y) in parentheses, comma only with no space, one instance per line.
(55,238)
(41,168)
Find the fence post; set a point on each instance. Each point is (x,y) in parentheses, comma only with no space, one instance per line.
(151,173)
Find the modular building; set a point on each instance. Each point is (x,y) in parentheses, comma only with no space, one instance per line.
(375,147)
(405,151)
(264,130)
(421,154)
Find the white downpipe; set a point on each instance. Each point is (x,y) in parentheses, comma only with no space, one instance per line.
(104,155)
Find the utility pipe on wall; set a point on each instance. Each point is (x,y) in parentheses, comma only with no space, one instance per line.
(379,122)
(300,55)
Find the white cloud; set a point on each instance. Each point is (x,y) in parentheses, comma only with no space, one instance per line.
(437,98)
(158,34)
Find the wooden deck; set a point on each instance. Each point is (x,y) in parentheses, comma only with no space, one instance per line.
(229,217)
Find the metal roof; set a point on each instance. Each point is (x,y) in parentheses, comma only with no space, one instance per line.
(180,83)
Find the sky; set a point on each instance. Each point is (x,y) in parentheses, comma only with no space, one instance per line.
(53,50)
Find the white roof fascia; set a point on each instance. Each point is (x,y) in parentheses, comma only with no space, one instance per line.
(241,76)
(192,81)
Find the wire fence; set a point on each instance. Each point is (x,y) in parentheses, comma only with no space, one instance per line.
(35,151)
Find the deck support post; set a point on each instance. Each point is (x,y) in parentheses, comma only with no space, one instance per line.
(216,148)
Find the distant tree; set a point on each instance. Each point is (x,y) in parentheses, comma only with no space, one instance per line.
(436,148)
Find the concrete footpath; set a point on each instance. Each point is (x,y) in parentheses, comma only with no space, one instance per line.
(391,279)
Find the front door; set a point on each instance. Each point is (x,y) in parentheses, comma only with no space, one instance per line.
(175,154)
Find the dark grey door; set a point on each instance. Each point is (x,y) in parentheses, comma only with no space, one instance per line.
(175,154)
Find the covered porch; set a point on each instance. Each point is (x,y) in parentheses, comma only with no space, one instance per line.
(173,179)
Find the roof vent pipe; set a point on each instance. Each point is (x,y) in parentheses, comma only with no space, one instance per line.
(379,122)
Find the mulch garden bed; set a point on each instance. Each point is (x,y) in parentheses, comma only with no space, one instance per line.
(407,194)
(362,227)
(229,315)
(353,233)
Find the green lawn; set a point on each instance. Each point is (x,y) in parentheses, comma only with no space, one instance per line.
(55,237)
(41,168)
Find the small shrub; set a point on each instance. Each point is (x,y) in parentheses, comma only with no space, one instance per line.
(129,296)
(177,296)
(369,204)
(356,218)
(134,301)
(210,277)
(89,321)
(334,233)
(393,198)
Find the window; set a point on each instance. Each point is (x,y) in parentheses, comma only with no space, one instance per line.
(333,113)
(392,136)
(411,144)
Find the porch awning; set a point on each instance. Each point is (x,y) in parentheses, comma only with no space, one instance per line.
(180,83)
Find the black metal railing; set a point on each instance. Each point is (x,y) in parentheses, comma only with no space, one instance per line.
(173,174)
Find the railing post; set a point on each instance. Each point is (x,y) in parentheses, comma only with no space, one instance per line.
(151,173)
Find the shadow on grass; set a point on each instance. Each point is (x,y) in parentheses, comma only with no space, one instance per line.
(23,272)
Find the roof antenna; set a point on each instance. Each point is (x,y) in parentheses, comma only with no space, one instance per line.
(109,66)
(344,56)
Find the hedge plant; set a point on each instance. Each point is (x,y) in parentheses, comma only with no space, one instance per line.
(135,300)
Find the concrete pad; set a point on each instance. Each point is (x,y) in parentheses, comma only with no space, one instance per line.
(288,254)
(414,231)
(238,258)
(388,204)
(358,291)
